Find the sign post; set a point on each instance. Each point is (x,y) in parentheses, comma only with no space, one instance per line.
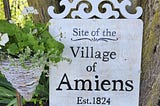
(106,59)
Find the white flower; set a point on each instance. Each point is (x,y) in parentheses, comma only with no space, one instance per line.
(3,39)
(36,12)
(29,10)
(34,31)
(24,12)
(11,22)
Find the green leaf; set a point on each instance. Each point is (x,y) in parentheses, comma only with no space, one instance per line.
(4,100)
(21,37)
(6,92)
(28,27)
(31,41)
(5,83)
(6,27)
(13,49)
(13,102)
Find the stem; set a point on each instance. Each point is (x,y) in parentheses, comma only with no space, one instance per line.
(19,99)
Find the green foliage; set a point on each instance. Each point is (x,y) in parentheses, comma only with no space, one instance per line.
(6,27)
(28,42)
(33,36)
(7,93)
(31,43)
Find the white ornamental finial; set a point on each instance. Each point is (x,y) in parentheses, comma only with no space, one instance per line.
(106,4)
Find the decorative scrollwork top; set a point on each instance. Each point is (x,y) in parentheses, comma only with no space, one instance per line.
(110,7)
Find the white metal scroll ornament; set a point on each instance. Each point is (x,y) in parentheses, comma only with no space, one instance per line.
(110,6)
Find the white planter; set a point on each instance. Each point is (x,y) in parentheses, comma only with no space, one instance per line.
(23,80)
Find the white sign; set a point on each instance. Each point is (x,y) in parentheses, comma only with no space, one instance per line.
(106,60)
